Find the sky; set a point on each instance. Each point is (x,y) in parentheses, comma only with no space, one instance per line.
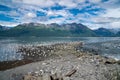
(92,13)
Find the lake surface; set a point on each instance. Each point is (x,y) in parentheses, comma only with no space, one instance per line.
(8,46)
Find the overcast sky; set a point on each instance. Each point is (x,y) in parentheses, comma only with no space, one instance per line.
(93,13)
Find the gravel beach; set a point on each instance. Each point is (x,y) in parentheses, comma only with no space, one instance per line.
(67,61)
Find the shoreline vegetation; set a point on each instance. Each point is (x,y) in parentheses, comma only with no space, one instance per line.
(62,61)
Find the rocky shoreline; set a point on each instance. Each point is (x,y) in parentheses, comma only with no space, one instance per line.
(36,53)
(65,61)
(108,48)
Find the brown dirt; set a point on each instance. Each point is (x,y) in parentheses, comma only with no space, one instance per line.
(12,64)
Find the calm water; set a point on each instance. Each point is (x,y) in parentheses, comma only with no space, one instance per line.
(8,46)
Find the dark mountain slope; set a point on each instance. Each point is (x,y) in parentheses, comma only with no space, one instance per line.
(103,32)
(118,34)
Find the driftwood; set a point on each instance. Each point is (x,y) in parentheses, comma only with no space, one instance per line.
(69,74)
(56,76)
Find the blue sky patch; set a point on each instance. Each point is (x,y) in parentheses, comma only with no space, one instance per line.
(57,7)
(52,17)
(40,13)
(4,8)
(5,18)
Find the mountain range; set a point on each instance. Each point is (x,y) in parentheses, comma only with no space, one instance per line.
(55,30)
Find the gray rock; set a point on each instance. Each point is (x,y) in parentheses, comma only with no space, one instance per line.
(46,77)
(39,78)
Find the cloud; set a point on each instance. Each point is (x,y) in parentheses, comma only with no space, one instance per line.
(111,3)
(30,15)
(41,3)
(6,23)
(95,1)
(115,24)
(112,13)
(56,20)
(67,3)
(105,20)
(63,13)
(80,1)
(93,13)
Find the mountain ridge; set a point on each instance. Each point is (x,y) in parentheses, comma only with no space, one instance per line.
(57,30)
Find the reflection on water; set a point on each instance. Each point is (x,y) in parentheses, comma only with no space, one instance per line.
(8,46)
